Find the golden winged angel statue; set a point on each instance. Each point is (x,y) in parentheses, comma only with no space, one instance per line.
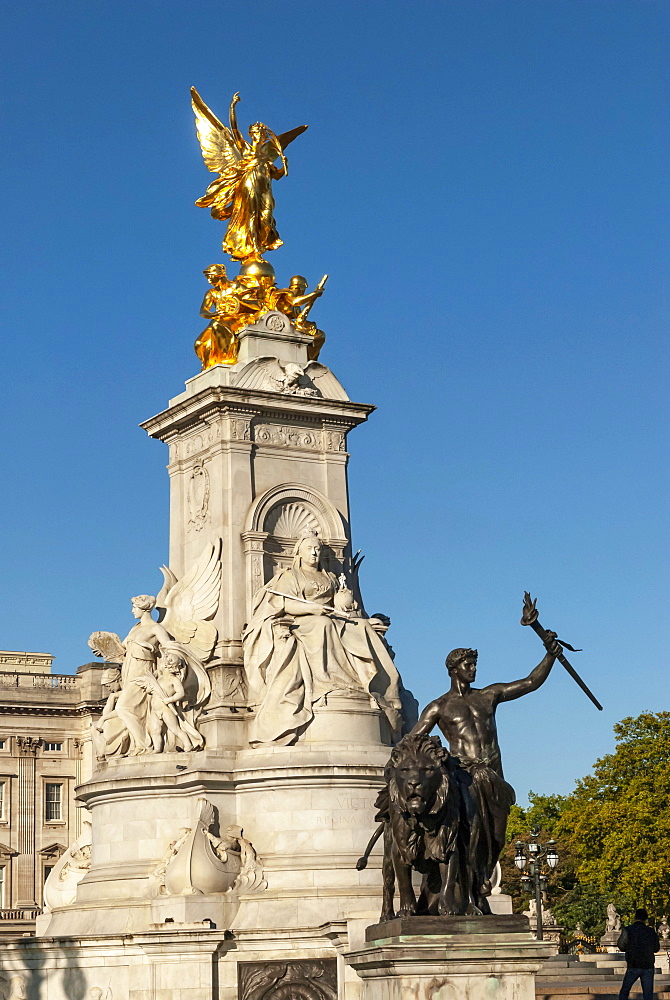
(242,193)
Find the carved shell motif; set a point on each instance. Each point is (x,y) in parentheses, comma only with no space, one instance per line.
(290,520)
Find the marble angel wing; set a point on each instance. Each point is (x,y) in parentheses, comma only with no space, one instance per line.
(217,143)
(324,380)
(108,646)
(192,601)
(169,581)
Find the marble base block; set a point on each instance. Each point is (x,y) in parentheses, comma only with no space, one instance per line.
(449,958)
(500,903)
(609,941)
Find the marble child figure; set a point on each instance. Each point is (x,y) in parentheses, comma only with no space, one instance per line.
(298,649)
(165,716)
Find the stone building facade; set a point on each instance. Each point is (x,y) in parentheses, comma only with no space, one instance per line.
(45,752)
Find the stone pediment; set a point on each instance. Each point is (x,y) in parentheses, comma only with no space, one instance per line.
(6,852)
(52,851)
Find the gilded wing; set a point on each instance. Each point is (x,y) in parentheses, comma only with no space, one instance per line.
(286,137)
(276,144)
(219,149)
(192,601)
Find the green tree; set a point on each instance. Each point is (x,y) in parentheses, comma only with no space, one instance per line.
(617,821)
(613,831)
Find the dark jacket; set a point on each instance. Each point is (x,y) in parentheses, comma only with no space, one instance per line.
(640,942)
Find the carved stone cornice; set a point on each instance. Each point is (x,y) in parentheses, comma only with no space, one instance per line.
(87,708)
(215,401)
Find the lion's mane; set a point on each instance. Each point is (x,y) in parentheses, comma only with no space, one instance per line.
(432,833)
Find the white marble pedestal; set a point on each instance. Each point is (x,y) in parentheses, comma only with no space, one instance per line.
(449,958)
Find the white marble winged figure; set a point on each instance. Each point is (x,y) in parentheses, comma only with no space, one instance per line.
(163,683)
(189,604)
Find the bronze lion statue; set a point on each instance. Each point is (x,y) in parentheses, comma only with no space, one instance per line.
(420,812)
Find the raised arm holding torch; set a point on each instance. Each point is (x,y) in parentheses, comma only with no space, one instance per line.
(530,617)
(312,296)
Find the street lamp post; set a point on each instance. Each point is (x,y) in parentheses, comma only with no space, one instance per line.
(532,856)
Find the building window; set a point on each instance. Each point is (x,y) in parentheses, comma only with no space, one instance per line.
(2,744)
(52,746)
(47,871)
(53,802)
(2,800)
(2,887)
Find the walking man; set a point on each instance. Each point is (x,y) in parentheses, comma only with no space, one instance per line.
(640,943)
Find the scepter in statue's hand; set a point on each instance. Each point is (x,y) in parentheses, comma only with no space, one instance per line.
(530,617)
(313,296)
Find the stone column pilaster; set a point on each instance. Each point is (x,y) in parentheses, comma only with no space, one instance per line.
(78,746)
(25,867)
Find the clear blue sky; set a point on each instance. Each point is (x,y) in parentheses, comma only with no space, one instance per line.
(486,184)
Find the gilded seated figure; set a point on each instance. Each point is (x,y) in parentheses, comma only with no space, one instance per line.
(298,649)
(295,302)
(229,305)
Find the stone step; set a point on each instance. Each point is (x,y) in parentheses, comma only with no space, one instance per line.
(572,973)
(590,991)
(590,983)
(604,956)
(561,961)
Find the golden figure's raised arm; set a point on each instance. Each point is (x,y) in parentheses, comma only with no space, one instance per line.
(232,115)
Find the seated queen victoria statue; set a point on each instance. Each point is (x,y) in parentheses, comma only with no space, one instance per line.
(303,644)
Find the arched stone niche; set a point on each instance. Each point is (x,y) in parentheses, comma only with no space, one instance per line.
(274,523)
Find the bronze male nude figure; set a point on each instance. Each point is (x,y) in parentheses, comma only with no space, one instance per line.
(466,717)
